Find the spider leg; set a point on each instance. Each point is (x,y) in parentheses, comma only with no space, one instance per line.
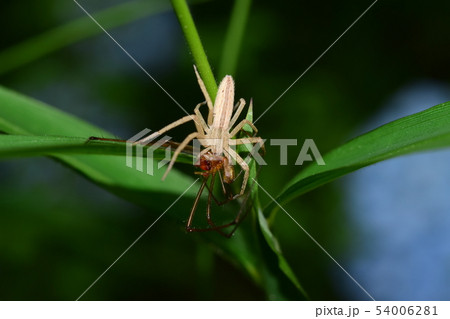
(182,145)
(228,197)
(249,140)
(222,184)
(200,118)
(172,125)
(239,127)
(246,140)
(208,209)
(207,97)
(189,227)
(214,227)
(244,167)
(238,103)
(194,207)
(243,211)
(240,107)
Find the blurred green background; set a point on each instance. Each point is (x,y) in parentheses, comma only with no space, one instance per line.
(59,232)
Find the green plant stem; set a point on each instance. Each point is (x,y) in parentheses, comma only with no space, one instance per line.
(233,40)
(193,39)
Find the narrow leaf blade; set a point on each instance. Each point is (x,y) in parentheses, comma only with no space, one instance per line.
(423,131)
(22,115)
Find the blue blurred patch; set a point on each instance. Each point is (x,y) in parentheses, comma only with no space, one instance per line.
(400,210)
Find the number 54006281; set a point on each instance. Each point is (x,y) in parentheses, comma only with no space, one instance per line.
(407,310)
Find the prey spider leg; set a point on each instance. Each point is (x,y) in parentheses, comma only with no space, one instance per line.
(211,165)
(216,167)
(213,226)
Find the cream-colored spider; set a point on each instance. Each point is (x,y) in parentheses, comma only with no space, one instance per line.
(216,136)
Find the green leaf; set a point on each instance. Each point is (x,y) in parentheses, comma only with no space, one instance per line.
(272,242)
(32,145)
(426,130)
(26,116)
(275,274)
(279,279)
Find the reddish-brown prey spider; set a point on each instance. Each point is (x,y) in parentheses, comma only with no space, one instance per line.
(210,165)
(217,135)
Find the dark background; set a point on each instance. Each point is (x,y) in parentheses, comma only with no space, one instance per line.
(59,232)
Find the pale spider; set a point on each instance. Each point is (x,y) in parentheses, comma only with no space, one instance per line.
(216,136)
